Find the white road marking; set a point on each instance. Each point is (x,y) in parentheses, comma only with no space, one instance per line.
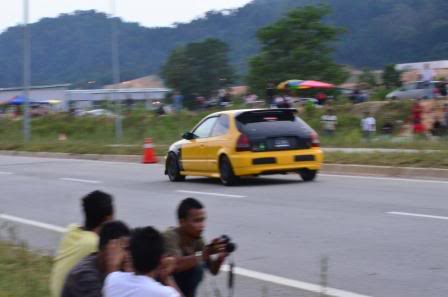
(86,181)
(291,282)
(417,215)
(32,223)
(211,194)
(387,178)
(237,270)
(6,173)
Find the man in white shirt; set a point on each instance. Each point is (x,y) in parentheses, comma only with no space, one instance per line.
(368,125)
(329,122)
(147,249)
(427,76)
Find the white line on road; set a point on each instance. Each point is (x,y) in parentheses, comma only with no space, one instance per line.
(86,181)
(417,215)
(32,223)
(291,282)
(211,194)
(386,178)
(6,173)
(237,270)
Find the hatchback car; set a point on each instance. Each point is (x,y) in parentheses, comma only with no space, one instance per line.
(237,143)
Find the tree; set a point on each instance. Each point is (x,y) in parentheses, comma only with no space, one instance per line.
(391,77)
(296,47)
(198,68)
(367,78)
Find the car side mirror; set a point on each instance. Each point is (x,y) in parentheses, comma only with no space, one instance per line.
(189,136)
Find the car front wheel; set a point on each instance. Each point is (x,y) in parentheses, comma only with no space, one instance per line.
(173,168)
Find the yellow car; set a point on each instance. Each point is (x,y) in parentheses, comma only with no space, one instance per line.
(237,143)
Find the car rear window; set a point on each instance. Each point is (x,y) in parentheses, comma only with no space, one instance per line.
(271,123)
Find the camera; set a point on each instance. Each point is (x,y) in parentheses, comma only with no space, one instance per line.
(230,246)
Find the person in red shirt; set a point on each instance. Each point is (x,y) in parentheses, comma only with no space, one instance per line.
(417,118)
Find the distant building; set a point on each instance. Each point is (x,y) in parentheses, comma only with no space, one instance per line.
(61,98)
(53,93)
(411,71)
(86,99)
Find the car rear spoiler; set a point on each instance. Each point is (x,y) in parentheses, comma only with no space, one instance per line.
(273,111)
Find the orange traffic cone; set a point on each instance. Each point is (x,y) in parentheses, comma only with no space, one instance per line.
(149,157)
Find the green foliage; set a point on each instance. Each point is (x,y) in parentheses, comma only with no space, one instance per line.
(296,47)
(22,273)
(199,68)
(367,78)
(391,77)
(379,94)
(75,48)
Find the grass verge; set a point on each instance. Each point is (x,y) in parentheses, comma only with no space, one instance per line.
(23,273)
(424,160)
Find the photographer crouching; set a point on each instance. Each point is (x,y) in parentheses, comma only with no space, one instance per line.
(186,244)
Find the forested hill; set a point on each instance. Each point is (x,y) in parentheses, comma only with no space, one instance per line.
(76,47)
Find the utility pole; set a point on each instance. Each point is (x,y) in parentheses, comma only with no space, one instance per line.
(116,72)
(26,73)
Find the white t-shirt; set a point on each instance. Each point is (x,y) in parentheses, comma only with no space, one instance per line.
(368,124)
(427,74)
(127,284)
(329,122)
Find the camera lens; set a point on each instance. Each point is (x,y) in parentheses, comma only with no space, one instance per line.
(230,247)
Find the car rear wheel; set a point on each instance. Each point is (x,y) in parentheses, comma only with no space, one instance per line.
(227,176)
(308,175)
(173,168)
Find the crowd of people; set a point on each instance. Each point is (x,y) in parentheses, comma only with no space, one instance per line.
(437,128)
(105,257)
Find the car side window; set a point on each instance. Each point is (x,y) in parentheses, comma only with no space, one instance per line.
(222,126)
(205,128)
(421,85)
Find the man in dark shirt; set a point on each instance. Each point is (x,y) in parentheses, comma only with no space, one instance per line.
(186,244)
(87,277)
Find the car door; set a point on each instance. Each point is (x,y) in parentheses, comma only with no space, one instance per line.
(193,154)
(218,138)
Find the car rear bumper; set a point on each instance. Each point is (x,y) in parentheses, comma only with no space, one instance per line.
(249,163)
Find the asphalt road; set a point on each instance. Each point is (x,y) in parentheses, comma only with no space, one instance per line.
(382,237)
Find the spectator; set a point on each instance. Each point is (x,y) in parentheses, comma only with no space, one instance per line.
(251,100)
(427,75)
(270,93)
(178,101)
(437,128)
(442,89)
(321,97)
(283,101)
(368,126)
(388,127)
(186,244)
(147,249)
(78,241)
(87,277)
(417,118)
(355,96)
(329,122)
(445,114)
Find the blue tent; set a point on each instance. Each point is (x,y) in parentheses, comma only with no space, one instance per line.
(18,100)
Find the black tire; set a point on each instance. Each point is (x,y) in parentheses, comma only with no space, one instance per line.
(173,169)
(227,176)
(308,175)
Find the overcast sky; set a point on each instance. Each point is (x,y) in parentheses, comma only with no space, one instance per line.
(149,13)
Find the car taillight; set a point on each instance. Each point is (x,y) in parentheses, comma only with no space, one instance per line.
(315,142)
(243,143)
